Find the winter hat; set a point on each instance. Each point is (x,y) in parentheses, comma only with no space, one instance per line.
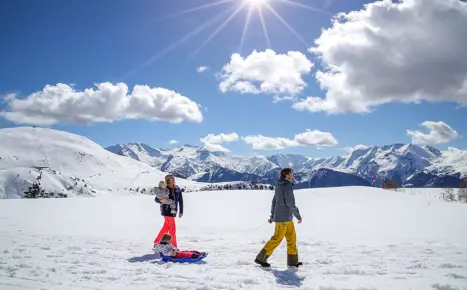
(162,182)
(168,176)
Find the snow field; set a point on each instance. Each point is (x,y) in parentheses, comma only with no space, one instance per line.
(351,238)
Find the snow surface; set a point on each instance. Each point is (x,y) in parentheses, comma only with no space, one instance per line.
(74,165)
(350,238)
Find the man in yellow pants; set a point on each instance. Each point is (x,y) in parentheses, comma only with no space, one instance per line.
(282,211)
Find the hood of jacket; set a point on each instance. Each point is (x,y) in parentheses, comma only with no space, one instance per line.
(282,181)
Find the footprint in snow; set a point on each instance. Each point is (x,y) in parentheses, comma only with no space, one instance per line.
(450,266)
(456,276)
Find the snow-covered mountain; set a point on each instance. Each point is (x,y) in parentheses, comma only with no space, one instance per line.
(427,179)
(295,161)
(400,161)
(69,164)
(201,163)
(325,177)
(397,162)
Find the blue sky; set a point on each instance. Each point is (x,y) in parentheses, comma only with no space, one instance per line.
(84,43)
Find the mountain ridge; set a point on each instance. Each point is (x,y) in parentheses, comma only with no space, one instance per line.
(396,161)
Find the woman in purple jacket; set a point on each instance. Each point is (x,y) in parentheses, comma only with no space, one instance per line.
(169,215)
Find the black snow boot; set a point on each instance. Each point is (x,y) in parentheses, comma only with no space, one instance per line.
(262,259)
(263,264)
(292,261)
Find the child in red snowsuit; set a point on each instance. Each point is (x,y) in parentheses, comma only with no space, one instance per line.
(166,248)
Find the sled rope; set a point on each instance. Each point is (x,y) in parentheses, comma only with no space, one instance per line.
(250,231)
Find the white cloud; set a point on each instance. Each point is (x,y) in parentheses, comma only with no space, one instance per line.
(212,141)
(173,142)
(308,138)
(438,133)
(201,69)
(216,147)
(261,142)
(454,156)
(219,139)
(277,99)
(108,103)
(265,72)
(7,98)
(407,51)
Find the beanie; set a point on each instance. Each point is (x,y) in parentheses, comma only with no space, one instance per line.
(168,176)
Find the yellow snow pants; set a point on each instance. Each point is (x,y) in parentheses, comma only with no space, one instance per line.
(283,229)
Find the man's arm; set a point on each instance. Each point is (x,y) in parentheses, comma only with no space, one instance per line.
(273,206)
(290,202)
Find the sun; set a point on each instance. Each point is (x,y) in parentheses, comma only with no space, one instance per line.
(256,3)
(253,8)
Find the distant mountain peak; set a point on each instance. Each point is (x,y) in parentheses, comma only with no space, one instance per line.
(395,161)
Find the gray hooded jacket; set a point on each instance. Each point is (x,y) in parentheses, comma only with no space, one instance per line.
(283,202)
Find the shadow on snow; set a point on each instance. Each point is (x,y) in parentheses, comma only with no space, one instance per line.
(144,258)
(287,277)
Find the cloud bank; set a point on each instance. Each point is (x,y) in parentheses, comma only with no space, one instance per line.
(308,138)
(407,52)
(107,103)
(212,141)
(265,72)
(438,133)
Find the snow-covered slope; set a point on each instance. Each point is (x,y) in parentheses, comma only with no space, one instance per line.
(140,152)
(351,238)
(69,163)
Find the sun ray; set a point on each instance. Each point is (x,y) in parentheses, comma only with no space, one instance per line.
(245,28)
(240,7)
(297,4)
(176,44)
(273,11)
(209,5)
(265,29)
(228,14)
